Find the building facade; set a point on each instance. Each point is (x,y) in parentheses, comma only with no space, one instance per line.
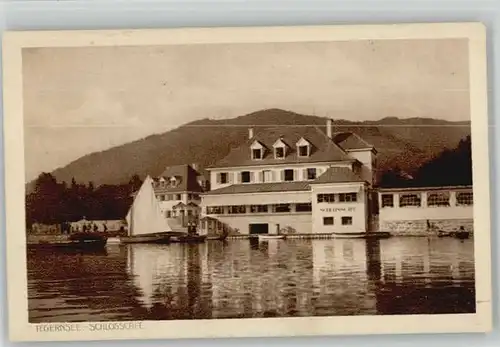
(178,190)
(304,179)
(421,211)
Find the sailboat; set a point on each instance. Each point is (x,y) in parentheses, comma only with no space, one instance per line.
(145,220)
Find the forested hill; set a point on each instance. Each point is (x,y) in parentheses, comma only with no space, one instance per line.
(402,143)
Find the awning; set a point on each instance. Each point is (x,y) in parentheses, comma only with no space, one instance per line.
(257,199)
(208,218)
(180,205)
(335,190)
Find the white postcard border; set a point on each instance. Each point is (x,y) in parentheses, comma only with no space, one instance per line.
(21,330)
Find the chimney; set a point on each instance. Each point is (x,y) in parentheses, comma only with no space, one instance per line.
(329,128)
(250,133)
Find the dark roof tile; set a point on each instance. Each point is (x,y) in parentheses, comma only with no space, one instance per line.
(188,179)
(338,175)
(349,141)
(323,148)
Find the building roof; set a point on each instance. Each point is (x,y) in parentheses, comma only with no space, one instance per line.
(338,175)
(261,188)
(187,179)
(350,141)
(323,148)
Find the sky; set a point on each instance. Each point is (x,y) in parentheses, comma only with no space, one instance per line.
(87,99)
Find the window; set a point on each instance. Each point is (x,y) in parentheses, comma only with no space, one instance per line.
(245,177)
(258,208)
(215,210)
(303,151)
(267,176)
(257,154)
(348,197)
(178,197)
(223,178)
(196,197)
(465,199)
(161,197)
(438,199)
(326,198)
(346,220)
(409,200)
(279,152)
(288,175)
(305,207)
(239,209)
(281,208)
(168,214)
(190,212)
(387,200)
(190,196)
(327,220)
(311,173)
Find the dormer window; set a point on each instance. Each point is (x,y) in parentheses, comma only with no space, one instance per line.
(280,149)
(256,154)
(303,151)
(174,181)
(303,148)
(279,152)
(257,150)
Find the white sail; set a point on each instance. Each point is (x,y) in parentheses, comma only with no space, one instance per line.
(145,216)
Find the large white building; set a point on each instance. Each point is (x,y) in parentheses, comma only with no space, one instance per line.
(308,179)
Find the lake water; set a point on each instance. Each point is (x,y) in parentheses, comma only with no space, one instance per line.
(242,278)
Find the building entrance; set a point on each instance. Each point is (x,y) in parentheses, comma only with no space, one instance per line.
(259,229)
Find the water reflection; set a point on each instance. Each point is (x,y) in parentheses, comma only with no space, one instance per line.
(237,279)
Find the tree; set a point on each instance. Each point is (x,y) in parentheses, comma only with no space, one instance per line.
(394,178)
(449,168)
(52,202)
(135,183)
(452,167)
(44,204)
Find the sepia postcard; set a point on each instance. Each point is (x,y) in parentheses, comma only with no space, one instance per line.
(247,182)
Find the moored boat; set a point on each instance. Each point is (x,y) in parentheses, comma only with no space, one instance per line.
(80,241)
(145,220)
(264,237)
(442,233)
(161,238)
(461,234)
(378,235)
(187,238)
(114,240)
(216,238)
(360,235)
